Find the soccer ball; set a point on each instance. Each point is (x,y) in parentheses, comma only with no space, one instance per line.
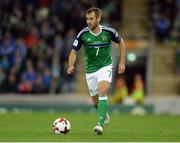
(61,126)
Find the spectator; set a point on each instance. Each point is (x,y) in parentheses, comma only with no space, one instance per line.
(38,86)
(138,89)
(121,91)
(2,78)
(47,79)
(29,76)
(7,48)
(4,63)
(164,12)
(162,25)
(10,84)
(32,39)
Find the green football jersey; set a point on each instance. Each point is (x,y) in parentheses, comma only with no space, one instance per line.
(97,47)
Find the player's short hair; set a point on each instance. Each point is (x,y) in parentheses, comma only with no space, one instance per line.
(96,10)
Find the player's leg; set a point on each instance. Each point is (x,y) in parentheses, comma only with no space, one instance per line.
(93,90)
(103,88)
(95,102)
(104,77)
(93,87)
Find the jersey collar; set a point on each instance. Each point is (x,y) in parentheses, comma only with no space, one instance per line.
(97,33)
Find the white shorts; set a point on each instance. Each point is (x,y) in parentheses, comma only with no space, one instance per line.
(94,78)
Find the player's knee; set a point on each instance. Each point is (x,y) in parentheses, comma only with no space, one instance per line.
(103,91)
(103,88)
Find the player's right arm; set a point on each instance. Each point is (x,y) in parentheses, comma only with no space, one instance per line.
(73,54)
(71,62)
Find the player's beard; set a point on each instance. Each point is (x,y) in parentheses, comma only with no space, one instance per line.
(93,26)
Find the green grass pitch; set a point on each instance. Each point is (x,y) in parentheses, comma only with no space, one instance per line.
(32,127)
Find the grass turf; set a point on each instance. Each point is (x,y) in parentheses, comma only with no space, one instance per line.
(31,127)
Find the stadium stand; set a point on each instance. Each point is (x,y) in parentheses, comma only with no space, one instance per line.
(36,37)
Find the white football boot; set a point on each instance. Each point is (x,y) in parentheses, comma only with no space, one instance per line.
(107,119)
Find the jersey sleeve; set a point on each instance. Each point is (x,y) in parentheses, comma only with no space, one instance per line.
(77,42)
(115,36)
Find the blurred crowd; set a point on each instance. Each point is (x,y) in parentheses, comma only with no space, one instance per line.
(123,92)
(36,37)
(165,18)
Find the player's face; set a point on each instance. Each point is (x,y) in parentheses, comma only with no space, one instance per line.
(92,21)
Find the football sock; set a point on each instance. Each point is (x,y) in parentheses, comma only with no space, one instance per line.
(102,109)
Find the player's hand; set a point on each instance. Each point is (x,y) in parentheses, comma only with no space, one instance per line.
(121,67)
(70,70)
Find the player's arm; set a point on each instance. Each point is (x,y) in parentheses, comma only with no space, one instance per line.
(71,61)
(73,54)
(122,49)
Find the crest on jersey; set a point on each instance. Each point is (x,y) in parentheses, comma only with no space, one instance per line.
(104,38)
(88,39)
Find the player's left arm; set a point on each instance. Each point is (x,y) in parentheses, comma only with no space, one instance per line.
(122,49)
